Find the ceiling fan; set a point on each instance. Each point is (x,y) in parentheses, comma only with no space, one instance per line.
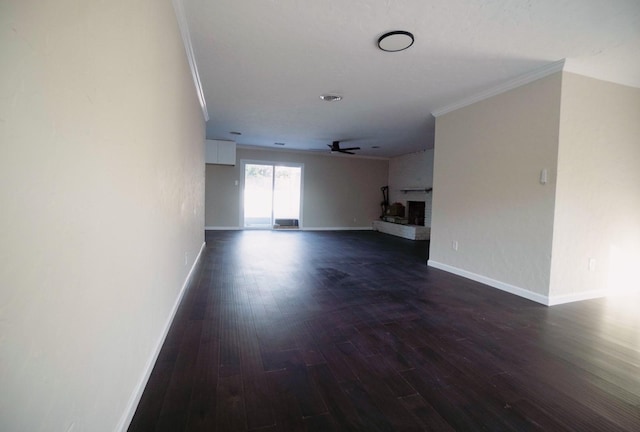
(335,147)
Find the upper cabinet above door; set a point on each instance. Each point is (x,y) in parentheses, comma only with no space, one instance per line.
(220,152)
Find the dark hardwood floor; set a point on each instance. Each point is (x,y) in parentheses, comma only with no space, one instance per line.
(333,331)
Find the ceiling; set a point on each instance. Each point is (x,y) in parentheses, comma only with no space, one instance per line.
(263,64)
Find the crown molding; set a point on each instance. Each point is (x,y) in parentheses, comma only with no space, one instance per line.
(178,7)
(511,84)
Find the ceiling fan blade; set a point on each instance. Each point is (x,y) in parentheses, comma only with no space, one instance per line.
(335,147)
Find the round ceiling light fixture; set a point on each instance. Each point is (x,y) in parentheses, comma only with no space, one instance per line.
(331,97)
(394,41)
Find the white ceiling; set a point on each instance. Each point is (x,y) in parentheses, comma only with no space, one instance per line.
(264,63)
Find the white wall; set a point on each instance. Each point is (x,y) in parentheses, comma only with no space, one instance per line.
(101,185)
(338,191)
(597,213)
(413,170)
(487,195)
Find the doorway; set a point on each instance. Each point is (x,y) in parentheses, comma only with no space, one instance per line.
(272,194)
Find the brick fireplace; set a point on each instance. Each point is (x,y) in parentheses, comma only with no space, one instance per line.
(415,212)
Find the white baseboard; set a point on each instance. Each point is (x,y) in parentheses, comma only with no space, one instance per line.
(222,228)
(132,405)
(366,228)
(570,298)
(231,228)
(530,295)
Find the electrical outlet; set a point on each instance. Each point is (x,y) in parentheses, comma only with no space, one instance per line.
(454,245)
(592,264)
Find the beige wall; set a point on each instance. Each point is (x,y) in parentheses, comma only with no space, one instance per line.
(222,205)
(338,191)
(487,195)
(413,170)
(101,185)
(597,214)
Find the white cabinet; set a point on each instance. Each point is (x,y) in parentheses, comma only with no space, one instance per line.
(220,152)
(227,152)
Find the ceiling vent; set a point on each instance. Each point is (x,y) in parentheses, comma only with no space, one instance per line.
(331,97)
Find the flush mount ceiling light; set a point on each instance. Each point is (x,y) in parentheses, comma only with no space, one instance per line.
(235,133)
(394,41)
(331,97)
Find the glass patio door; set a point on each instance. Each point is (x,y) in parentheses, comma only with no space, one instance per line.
(272,195)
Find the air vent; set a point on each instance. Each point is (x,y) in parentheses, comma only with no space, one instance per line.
(331,97)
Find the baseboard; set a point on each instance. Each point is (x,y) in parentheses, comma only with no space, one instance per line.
(132,405)
(367,228)
(512,289)
(570,298)
(222,228)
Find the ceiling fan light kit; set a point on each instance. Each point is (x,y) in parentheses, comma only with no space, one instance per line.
(394,41)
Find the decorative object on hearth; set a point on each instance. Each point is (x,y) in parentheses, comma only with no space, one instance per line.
(396,209)
(385,201)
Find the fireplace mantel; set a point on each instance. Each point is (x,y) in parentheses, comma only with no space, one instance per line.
(425,190)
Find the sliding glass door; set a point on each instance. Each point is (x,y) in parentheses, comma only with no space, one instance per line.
(271,195)
(258,196)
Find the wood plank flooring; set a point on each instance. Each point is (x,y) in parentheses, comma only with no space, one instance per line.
(351,331)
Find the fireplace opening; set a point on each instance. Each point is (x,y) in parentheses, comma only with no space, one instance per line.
(415,212)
